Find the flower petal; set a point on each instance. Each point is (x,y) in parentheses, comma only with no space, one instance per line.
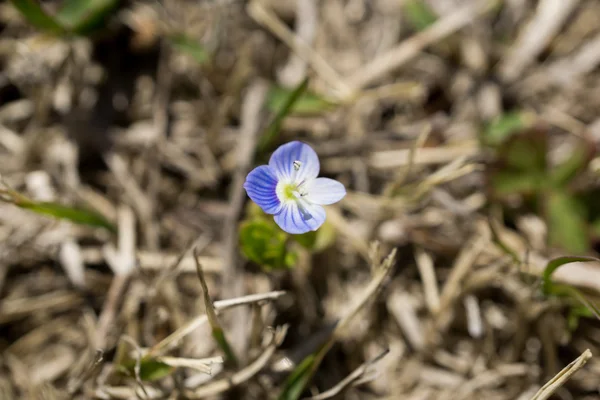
(324,191)
(260,185)
(282,162)
(298,217)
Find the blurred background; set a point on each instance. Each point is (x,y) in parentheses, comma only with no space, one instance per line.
(460,265)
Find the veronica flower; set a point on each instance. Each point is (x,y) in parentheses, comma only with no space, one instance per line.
(289,188)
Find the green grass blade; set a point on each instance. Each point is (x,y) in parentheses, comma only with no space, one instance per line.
(35,14)
(215,325)
(419,14)
(298,379)
(189,46)
(219,336)
(555,264)
(59,211)
(303,373)
(307,103)
(587,308)
(84,16)
(282,111)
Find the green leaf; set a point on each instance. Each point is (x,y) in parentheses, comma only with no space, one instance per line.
(510,182)
(567,225)
(263,242)
(79,216)
(527,153)
(419,14)
(505,126)
(555,264)
(37,16)
(85,16)
(521,165)
(298,379)
(189,46)
(150,369)
(307,240)
(595,228)
(318,240)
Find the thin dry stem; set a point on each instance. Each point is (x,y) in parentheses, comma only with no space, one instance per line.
(243,375)
(222,305)
(412,46)
(268,19)
(555,383)
(351,379)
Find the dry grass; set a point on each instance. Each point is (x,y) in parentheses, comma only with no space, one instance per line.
(161,145)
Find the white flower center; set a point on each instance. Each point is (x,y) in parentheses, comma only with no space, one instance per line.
(292,190)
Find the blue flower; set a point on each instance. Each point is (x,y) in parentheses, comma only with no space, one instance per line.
(289,188)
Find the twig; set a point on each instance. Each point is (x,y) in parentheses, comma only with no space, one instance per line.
(268,19)
(294,71)
(412,46)
(153,261)
(232,281)
(122,259)
(122,262)
(138,362)
(559,379)
(430,286)
(462,265)
(11,141)
(161,126)
(400,304)
(549,17)
(245,374)
(198,364)
(196,244)
(399,181)
(139,200)
(117,287)
(381,270)
(449,172)
(127,393)
(422,156)
(563,120)
(72,263)
(565,71)
(490,378)
(341,224)
(75,384)
(239,78)
(345,383)
(221,305)
(474,321)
